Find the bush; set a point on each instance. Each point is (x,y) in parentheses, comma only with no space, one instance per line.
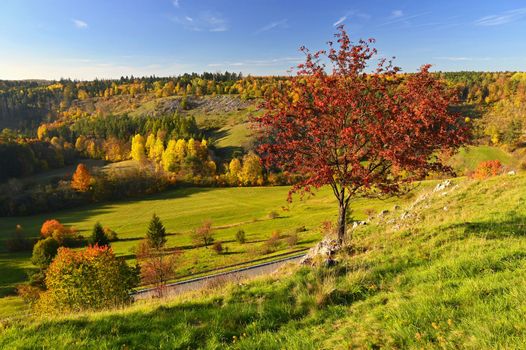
(273,215)
(44,251)
(292,239)
(203,234)
(272,243)
(90,279)
(17,242)
(300,229)
(487,169)
(218,247)
(112,235)
(50,226)
(241,237)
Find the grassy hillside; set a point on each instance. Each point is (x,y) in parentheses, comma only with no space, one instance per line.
(183,210)
(450,274)
(469,157)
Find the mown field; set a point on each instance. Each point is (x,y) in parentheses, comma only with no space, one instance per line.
(450,275)
(183,210)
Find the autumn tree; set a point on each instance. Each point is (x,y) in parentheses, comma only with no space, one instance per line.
(157,266)
(360,131)
(81,179)
(138,151)
(50,226)
(204,234)
(252,171)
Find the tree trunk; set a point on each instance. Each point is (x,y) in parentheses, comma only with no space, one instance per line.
(342,215)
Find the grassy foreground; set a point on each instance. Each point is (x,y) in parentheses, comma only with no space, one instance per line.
(451,274)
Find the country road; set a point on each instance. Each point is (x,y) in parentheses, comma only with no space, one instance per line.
(234,275)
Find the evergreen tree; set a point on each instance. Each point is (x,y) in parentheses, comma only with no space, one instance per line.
(156,234)
(98,236)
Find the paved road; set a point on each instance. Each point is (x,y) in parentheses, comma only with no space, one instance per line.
(210,280)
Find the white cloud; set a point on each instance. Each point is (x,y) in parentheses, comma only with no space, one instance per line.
(502,18)
(339,21)
(176,3)
(269,62)
(404,19)
(79,23)
(397,13)
(272,25)
(207,21)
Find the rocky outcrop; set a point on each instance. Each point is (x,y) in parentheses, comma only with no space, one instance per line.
(322,253)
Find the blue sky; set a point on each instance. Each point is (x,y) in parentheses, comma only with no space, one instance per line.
(84,39)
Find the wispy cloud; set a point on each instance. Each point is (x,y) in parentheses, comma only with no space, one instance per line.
(176,3)
(207,21)
(272,25)
(403,19)
(340,21)
(352,14)
(502,18)
(397,13)
(79,23)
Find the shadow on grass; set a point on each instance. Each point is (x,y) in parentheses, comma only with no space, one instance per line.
(513,225)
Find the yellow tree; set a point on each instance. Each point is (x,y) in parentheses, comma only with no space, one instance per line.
(150,141)
(191,148)
(252,171)
(156,152)
(138,151)
(169,158)
(81,179)
(180,150)
(234,169)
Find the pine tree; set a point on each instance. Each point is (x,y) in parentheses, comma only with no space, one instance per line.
(98,236)
(156,234)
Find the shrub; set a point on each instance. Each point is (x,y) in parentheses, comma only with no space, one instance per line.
(487,169)
(17,242)
(44,251)
(272,243)
(300,229)
(30,294)
(93,278)
(112,235)
(50,226)
(218,247)
(292,239)
(203,234)
(62,234)
(157,267)
(98,236)
(273,215)
(241,237)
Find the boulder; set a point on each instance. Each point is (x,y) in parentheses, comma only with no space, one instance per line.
(323,252)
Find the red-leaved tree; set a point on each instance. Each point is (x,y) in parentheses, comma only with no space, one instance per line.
(361,131)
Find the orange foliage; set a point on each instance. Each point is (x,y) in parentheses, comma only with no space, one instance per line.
(81,179)
(50,226)
(487,169)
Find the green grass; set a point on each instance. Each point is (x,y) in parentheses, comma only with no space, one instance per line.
(453,276)
(468,158)
(183,210)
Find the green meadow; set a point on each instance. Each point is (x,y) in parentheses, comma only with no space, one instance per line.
(449,274)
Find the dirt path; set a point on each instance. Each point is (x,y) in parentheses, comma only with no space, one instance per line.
(208,281)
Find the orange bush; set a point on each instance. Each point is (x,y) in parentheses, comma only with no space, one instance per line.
(487,169)
(50,226)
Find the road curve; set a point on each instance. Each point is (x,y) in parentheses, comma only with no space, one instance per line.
(201,282)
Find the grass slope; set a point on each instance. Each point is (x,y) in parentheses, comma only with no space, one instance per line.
(450,275)
(183,210)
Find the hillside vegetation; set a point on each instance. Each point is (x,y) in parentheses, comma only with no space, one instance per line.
(447,271)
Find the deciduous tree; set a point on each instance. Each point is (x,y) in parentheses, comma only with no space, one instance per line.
(361,132)
(81,179)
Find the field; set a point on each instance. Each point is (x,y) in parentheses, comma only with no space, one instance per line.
(451,275)
(469,157)
(183,210)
